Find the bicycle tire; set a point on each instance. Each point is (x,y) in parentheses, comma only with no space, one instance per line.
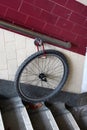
(56,54)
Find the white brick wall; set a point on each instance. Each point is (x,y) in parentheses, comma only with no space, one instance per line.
(8,36)
(3,60)
(14,48)
(82,2)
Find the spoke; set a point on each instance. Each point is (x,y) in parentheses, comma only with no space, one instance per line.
(32,70)
(56,66)
(51,63)
(36,65)
(29,81)
(41,84)
(38,61)
(46,63)
(45,85)
(52,66)
(37,81)
(55,72)
(52,81)
(50,85)
(42,64)
(28,74)
(53,77)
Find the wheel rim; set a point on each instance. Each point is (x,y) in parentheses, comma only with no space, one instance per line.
(41,76)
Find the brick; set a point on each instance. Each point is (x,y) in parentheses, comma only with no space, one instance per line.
(21,55)
(2,47)
(3,64)
(10,50)
(34,23)
(28,46)
(61,2)
(65,24)
(77,18)
(81,41)
(85,23)
(68,36)
(19,42)
(50,18)
(10,46)
(73,48)
(8,36)
(13,4)
(81,51)
(84,12)
(30,10)
(15,16)
(29,1)
(76,28)
(52,30)
(12,66)
(79,30)
(11,54)
(11,77)
(75,6)
(2,10)
(3,75)
(45,4)
(61,11)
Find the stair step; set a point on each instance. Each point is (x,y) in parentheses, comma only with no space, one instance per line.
(80,115)
(50,116)
(63,117)
(15,116)
(1,123)
(42,119)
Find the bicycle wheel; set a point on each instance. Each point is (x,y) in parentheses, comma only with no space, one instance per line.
(41,75)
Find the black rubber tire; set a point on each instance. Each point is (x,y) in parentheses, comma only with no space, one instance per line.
(60,56)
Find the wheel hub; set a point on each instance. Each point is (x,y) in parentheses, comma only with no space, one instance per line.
(42,76)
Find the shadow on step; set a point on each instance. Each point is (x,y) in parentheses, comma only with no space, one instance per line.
(63,117)
(80,115)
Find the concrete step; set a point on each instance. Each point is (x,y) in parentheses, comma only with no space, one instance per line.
(1,122)
(14,115)
(42,119)
(50,116)
(80,115)
(63,117)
